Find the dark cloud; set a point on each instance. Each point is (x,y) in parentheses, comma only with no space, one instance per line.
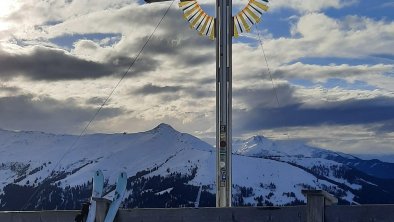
(9,89)
(367,111)
(159,45)
(47,114)
(211,81)
(172,92)
(385,127)
(154,89)
(199,93)
(52,64)
(184,47)
(266,96)
(185,52)
(191,56)
(169,97)
(141,66)
(192,60)
(95,101)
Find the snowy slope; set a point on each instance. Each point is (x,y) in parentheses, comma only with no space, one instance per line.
(258,146)
(260,174)
(261,146)
(112,153)
(164,163)
(294,152)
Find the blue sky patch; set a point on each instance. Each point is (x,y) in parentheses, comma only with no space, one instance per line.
(277,22)
(302,82)
(378,10)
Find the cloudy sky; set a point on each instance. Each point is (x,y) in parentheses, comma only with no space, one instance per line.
(332,66)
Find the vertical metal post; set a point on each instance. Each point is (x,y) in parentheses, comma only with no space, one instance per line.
(223,29)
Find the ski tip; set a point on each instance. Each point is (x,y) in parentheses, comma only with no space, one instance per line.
(98,173)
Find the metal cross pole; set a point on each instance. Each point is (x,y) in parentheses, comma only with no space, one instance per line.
(224,36)
(223,28)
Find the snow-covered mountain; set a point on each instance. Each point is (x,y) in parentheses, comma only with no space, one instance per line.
(166,169)
(259,146)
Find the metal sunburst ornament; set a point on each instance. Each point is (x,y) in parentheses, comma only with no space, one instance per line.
(205,24)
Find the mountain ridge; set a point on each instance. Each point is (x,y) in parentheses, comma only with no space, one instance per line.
(165,165)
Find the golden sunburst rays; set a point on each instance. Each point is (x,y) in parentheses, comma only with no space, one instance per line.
(249,16)
(198,19)
(205,24)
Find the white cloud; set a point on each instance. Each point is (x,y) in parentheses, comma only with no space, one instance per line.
(374,75)
(310,5)
(316,35)
(187,61)
(301,6)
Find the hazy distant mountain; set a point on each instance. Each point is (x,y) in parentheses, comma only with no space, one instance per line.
(259,146)
(389,158)
(166,169)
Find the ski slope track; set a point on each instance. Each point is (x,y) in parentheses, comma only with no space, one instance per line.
(166,169)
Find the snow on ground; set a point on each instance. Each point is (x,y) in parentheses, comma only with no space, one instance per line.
(162,151)
(329,165)
(259,145)
(165,191)
(260,173)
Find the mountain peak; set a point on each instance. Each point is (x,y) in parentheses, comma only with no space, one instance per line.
(257,139)
(163,127)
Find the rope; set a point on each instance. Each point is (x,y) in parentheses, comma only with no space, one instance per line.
(270,74)
(268,69)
